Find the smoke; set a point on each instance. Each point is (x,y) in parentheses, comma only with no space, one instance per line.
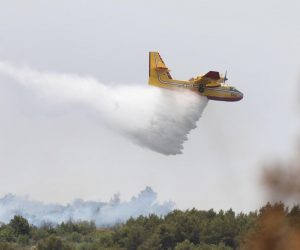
(283,183)
(281,180)
(277,226)
(102,213)
(154,118)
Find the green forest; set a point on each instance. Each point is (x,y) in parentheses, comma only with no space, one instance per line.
(274,226)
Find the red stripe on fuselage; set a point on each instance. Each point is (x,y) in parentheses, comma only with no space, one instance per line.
(227,99)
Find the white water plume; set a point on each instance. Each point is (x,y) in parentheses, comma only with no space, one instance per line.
(151,117)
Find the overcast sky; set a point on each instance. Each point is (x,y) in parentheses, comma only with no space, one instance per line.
(58,156)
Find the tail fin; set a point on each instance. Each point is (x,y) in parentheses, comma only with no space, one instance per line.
(157,69)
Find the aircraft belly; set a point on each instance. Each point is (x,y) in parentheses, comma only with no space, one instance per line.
(227,99)
(222,95)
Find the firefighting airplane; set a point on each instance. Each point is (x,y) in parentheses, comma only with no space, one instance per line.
(211,85)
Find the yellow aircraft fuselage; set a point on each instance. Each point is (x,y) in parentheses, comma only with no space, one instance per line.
(209,85)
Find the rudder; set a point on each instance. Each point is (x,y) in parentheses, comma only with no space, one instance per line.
(157,69)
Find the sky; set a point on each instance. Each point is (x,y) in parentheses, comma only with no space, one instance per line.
(56,155)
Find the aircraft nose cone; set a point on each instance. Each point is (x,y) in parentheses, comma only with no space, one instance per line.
(240,95)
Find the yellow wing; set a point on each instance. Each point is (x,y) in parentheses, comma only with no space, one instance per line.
(210,79)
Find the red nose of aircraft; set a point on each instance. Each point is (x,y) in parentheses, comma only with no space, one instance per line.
(239,95)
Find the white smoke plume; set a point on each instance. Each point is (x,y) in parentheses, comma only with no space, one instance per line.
(102,213)
(155,118)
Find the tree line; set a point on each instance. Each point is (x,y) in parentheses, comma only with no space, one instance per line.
(274,226)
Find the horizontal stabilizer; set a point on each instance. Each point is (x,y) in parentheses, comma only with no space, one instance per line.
(162,69)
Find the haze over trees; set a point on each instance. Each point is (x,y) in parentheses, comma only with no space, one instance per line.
(274,225)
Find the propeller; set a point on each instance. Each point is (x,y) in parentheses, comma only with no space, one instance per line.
(225,77)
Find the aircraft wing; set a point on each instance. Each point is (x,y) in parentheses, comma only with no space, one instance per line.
(213,75)
(211,79)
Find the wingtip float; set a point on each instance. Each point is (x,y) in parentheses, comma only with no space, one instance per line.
(211,85)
